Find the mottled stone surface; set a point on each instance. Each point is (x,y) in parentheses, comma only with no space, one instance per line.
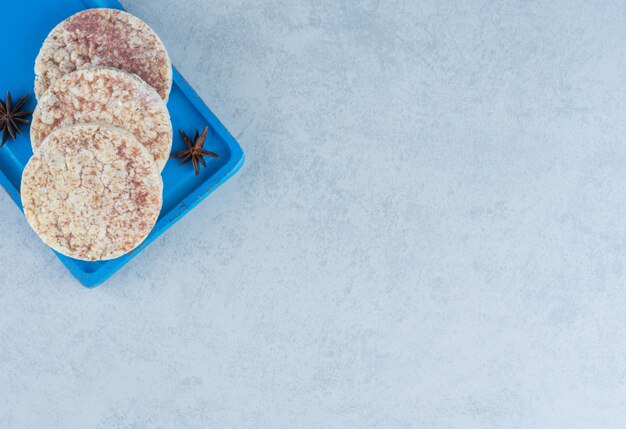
(428,232)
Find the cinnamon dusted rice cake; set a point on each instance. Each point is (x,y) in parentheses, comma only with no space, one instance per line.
(104,37)
(110,96)
(92,192)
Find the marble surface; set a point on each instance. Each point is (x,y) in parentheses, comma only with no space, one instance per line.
(428,232)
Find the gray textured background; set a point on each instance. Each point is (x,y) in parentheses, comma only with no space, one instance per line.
(428,232)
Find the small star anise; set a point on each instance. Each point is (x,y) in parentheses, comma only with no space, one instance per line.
(11,117)
(194,151)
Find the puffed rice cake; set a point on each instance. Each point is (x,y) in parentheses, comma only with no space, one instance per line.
(104,37)
(92,192)
(110,96)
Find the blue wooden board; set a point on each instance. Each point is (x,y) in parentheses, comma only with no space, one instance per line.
(25,26)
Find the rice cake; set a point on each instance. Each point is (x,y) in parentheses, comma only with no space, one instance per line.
(92,192)
(109,96)
(104,37)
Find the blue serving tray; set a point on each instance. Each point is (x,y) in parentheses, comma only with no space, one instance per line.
(25,26)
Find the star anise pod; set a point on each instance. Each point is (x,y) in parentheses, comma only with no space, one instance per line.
(11,117)
(195,151)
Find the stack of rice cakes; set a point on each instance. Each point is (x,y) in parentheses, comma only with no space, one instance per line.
(101,135)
